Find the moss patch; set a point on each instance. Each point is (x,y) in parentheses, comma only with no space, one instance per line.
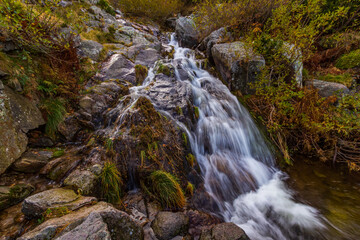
(349,60)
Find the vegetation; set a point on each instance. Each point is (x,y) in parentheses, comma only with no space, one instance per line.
(111,183)
(167,189)
(349,60)
(190,188)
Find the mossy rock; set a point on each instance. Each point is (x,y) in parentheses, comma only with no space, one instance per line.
(12,195)
(141,73)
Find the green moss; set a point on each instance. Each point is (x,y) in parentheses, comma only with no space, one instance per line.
(58,153)
(104,4)
(164,69)
(190,158)
(349,60)
(345,78)
(184,136)
(179,111)
(196,112)
(190,188)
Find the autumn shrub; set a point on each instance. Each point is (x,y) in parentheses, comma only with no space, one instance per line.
(154,9)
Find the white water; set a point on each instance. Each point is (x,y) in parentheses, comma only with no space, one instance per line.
(238,169)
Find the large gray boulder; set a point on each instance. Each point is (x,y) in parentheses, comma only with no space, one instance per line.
(84,180)
(99,220)
(224,231)
(36,205)
(186,32)
(215,37)
(32,161)
(237,64)
(118,67)
(327,89)
(90,49)
(168,225)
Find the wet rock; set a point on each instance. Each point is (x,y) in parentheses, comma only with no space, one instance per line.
(186,32)
(25,112)
(69,128)
(118,67)
(3,75)
(171,22)
(93,227)
(1,85)
(11,195)
(147,57)
(59,167)
(90,49)
(35,205)
(224,231)
(237,64)
(327,89)
(32,161)
(84,180)
(40,142)
(168,225)
(65,3)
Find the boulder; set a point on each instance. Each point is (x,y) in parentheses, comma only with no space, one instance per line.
(327,89)
(118,67)
(36,205)
(82,179)
(168,225)
(90,49)
(78,225)
(24,111)
(59,167)
(11,195)
(186,32)
(224,231)
(32,161)
(93,227)
(237,64)
(215,37)
(13,140)
(294,54)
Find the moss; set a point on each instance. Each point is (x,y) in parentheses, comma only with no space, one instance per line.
(164,69)
(196,112)
(58,153)
(179,111)
(184,136)
(141,73)
(104,4)
(349,60)
(190,189)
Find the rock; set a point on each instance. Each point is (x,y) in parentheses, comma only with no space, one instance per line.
(237,64)
(92,228)
(7,46)
(91,219)
(13,140)
(168,225)
(25,112)
(69,127)
(171,22)
(118,67)
(35,205)
(86,103)
(32,161)
(296,58)
(59,167)
(327,89)
(90,49)
(65,3)
(224,231)
(147,57)
(82,179)
(11,195)
(186,32)
(215,37)
(41,142)
(1,85)
(3,75)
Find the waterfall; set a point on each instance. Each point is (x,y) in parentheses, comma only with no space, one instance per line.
(237,166)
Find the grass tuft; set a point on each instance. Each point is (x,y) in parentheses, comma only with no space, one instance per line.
(111,183)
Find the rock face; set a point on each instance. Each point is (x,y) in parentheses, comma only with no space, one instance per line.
(32,161)
(90,49)
(186,32)
(327,89)
(100,221)
(237,64)
(11,195)
(168,225)
(35,205)
(82,179)
(224,231)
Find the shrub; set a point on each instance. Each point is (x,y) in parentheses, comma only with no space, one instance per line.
(166,189)
(154,9)
(104,4)
(349,60)
(111,183)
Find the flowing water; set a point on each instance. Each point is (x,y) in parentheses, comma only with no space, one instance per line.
(238,169)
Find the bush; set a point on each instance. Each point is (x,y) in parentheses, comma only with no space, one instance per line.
(154,9)
(166,189)
(111,183)
(350,60)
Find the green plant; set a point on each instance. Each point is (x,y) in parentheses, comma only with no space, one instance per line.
(190,158)
(58,153)
(55,112)
(196,112)
(111,183)
(345,78)
(349,60)
(104,4)
(56,212)
(190,188)
(154,9)
(109,144)
(167,189)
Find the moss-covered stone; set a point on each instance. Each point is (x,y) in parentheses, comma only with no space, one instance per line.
(12,195)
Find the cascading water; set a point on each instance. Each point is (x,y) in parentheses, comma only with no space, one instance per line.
(238,169)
